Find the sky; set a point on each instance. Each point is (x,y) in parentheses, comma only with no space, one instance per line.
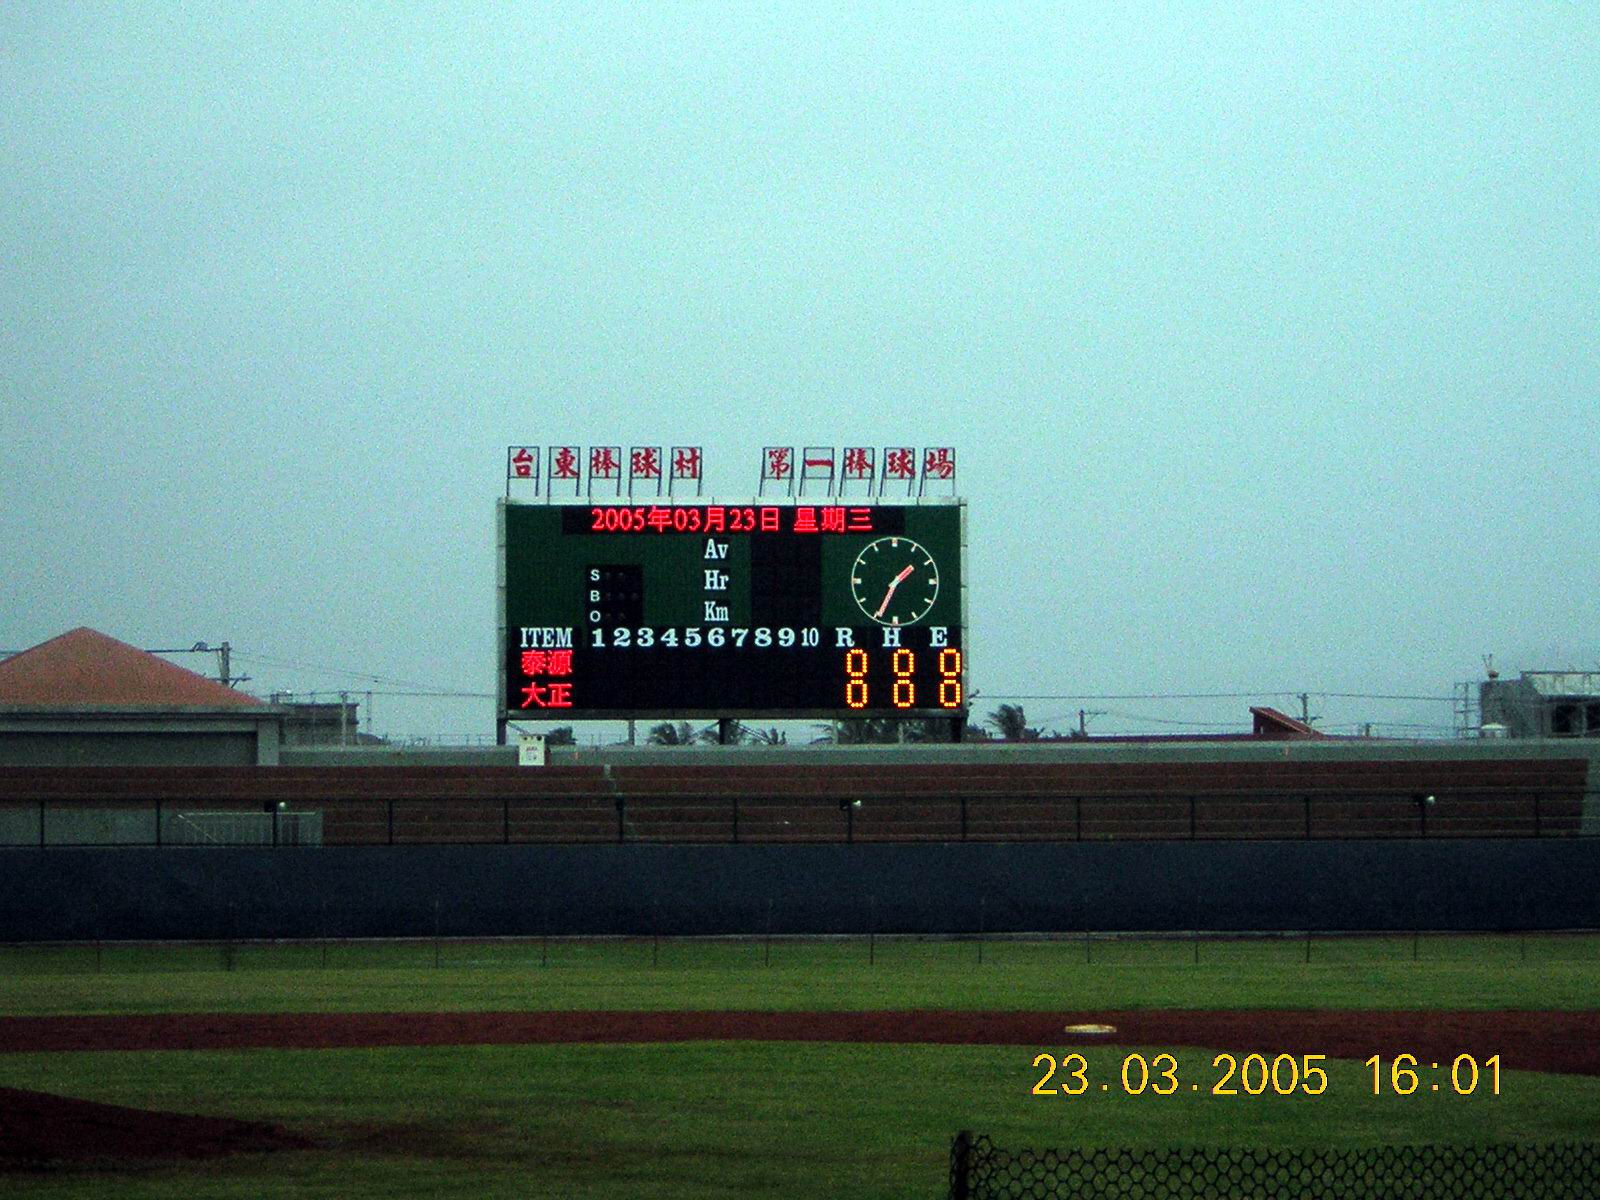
(1268,341)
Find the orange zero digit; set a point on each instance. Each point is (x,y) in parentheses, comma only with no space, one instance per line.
(950,678)
(903,663)
(855,669)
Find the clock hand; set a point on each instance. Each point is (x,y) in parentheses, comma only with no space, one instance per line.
(889,595)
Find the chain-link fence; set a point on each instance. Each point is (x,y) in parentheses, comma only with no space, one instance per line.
(980,1170)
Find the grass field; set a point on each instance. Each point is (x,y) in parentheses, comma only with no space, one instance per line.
(751,1119)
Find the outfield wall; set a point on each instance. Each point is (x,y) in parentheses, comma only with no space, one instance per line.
(640,889)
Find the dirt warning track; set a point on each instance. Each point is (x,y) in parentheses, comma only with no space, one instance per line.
(1559,1042)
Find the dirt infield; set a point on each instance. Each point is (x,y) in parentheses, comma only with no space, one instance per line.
(1559,1042)
(38,1129)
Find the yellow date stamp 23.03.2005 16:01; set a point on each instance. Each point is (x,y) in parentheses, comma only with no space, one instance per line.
(1257,1074)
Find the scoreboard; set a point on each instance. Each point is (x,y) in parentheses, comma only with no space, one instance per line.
(624,610)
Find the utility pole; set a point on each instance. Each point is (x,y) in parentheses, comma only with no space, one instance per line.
(1305,708)
(224,654)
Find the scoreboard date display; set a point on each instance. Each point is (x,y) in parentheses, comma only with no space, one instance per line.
(621,609)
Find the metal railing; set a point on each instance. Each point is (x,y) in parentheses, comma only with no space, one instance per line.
(860,817)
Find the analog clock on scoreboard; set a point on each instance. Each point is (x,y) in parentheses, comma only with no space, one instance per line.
(728,610)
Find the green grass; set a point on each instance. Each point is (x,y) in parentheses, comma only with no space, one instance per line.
(715,1120)
(1556,972)
(771,1120)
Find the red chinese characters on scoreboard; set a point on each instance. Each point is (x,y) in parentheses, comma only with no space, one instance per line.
(552,691)
(832,518)
(728,518)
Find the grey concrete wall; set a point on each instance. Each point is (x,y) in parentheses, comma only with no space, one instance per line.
(639,889)
(132,749)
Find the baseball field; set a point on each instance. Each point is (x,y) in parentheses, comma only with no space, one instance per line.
(837,1068)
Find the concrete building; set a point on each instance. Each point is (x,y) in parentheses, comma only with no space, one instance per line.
(1542,704)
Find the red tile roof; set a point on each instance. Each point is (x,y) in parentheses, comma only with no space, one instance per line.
(84,667)
(1270,723)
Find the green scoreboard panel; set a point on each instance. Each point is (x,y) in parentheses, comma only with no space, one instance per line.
(724,610)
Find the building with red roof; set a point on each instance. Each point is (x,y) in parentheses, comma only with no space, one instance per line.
(86,699)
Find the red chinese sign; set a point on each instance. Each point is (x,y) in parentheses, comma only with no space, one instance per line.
(563,462)
(777,462)
(645,463)
(686,462)
(858,462)
(522,462)
(899,462)
(939,462)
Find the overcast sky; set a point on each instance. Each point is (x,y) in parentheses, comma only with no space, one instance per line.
(1267,341)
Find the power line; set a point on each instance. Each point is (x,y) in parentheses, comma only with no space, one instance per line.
(371,692)
(1262,695)
(365,675)
(1135,695)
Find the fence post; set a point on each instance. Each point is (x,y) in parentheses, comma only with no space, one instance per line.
(1191,818)
(655,934)
(983,906)
(736,819)
(391,821)
(505,820)
(436,932)
(961,1166)
(872,930)
(1078,809)
(1538,818)
(41,822)
(963,818)
(766,953)
(622,816)
(849,821)
(1307,800)
(158,820)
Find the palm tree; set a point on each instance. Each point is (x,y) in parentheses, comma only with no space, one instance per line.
(929,729)
(1011,723)
(856,731)
(668,734)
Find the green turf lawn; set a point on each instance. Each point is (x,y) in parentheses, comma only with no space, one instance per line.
(1478,972)
(742,1119)
(760,1120)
